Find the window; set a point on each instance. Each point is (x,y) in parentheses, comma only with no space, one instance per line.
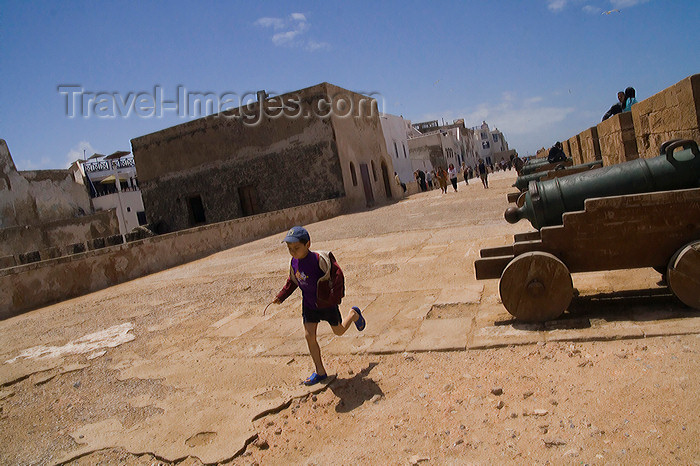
(248,197)
(495,138)
(374,172)
(483,135)
(196,210)
(141,216)
(404,151)
(353,174)
(485,145)
(396,150)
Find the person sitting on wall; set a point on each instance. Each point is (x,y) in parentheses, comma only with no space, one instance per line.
(617,107)
(556,154)
(630,99)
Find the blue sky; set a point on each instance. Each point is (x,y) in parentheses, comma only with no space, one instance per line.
(539,70)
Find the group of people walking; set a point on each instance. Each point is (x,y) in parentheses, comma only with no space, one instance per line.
(441,178)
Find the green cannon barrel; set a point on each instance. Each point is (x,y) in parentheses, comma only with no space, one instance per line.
(546,201)
(536,166)
(522,181)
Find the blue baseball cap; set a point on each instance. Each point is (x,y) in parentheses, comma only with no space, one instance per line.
(297,235)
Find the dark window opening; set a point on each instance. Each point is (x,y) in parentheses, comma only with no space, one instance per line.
(141,216)
(248,196)
(404,151)
(196,209)
(396,150)
(374,172)
(353,174)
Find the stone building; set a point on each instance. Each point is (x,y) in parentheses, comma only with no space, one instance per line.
(305,146)
(454,141)
(45,209)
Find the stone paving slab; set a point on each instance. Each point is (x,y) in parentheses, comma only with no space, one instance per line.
(441,335)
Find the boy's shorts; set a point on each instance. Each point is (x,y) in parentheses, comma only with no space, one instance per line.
(314,316)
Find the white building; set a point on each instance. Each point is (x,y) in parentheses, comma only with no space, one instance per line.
(101,173)
(489,144)
(396,134)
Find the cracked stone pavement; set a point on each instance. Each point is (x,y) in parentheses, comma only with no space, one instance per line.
(180,363)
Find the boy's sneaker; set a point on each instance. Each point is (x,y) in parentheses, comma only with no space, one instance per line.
(360,322)
(314,379)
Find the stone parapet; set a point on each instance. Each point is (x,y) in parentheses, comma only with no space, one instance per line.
(575,148)
(590,148)
(617,139)
(673,113)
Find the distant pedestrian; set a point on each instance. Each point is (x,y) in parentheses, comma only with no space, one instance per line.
(465,173)
(452,172)
(442,176)
(398,181)
(429,180)
(483,173)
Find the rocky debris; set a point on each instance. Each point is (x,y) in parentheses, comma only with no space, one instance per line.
(408,356)
(375,399)
(498,391)
(535,412)
(527,395)
(417,459)
(553,443)
(500,404)
(261,444)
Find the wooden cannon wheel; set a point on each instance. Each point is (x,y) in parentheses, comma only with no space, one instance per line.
(536,287)
(683,275)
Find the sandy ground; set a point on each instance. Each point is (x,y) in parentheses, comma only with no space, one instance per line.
(181,367)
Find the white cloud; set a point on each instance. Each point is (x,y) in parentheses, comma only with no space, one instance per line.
(277,23)
(627,3)
(291,32)
(82,150)
(556,5)
(559,5)
(526,123)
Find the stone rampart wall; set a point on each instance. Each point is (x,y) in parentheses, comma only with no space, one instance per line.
(58,233)
(37,284)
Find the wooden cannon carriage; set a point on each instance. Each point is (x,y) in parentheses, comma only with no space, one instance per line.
(656,229)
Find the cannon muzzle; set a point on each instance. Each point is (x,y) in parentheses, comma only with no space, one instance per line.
(546,201)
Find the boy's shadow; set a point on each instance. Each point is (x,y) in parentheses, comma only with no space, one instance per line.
(355,390)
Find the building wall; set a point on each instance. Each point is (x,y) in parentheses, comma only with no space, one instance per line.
(285,161)
(395,130)
(360,141)
(126,209)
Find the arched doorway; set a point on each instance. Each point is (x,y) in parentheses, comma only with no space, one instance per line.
(387,183)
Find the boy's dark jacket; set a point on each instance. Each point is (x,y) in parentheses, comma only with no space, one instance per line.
(330,288)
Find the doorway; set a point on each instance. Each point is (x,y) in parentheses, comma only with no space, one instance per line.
(387,183)
(366,184)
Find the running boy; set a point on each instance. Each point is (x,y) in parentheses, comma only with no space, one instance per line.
(322,287)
